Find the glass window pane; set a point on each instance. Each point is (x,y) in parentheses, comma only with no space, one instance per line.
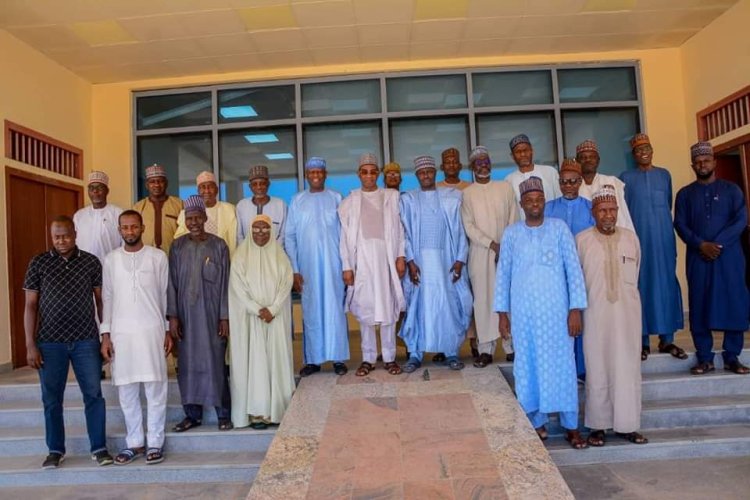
(341,98)
(183,155)
(176,110)
(495,132)
(428,136)
(341,144)
(240,149)
(597,84)
(513,88)
(612,130)
(256,104)
(426,92)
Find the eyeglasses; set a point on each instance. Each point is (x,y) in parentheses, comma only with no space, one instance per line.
(569,182)
(263,230)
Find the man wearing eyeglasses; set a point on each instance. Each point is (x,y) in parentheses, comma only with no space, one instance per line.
(576,212)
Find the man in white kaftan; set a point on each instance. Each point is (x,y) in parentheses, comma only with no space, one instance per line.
(221,219)
(587,154)
(373,262)
(488,208)
(96,224)
(523,156)
(610,257)
(135,335)
(260,203)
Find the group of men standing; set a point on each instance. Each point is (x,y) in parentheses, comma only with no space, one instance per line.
(576,265)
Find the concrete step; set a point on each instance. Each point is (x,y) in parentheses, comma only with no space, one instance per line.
(661,363)
(681,412)
(676,443)
(238,467)
(670,385)
(25,441)
(33,392)
(31,414)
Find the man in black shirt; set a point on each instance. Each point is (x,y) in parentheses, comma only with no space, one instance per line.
(63,294)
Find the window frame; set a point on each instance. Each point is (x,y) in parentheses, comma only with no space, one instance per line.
(298,122)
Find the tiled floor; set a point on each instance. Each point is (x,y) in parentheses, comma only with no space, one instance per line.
(435,433)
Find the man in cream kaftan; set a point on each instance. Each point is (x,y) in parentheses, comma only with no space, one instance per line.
(488,207)
(610,257)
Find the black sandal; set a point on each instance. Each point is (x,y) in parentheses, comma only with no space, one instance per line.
(308,370)
(454,363)
(128,455)
(154,456)
(633,437)
(736,367)
(439,358)
(483,360)
(225,424)
(597,438)
(672,349)
(702,368)
(340,369)
(644,353)
(186,424)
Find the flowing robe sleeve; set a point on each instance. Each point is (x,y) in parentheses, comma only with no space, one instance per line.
(109,262)
(730,234)
(682,220)
(476,235)
(290,233)
(348,227)
(282,290)
(235,282)
(573,270)
(163,277)
(225,266)
(172,291)
(407,206)
(504,272)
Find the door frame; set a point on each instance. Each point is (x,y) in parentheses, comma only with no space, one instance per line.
(743,144)
(11,172)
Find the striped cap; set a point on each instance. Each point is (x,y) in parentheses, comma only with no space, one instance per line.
(587,145)
(155,170)
(606,193)
(530,185)
(423,161)
(194,203)
(257,172)
(97,176)
(315,162)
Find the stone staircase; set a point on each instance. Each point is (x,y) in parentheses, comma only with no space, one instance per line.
(683,416)
(202,455)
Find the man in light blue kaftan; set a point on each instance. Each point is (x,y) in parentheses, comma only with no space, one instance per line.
(539,293)
(437,292)
(312,243)
(648,193)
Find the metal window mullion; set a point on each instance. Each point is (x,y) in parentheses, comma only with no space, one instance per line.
(527,108)
(215,136)
(431,113)
(639,97)
(472,121)
(558,118)
(311,120)
(384,127)
(259,124)
(599,105)
(299,139)
(174,130)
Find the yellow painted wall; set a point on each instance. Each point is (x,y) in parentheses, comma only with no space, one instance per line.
(42,95)
(716,62)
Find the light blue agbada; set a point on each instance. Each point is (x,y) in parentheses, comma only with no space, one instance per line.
(539,280)
(312,243)
(438,310)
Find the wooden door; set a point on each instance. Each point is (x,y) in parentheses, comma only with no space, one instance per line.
(32,201)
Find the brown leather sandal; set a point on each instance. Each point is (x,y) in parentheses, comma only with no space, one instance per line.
(393,368)
(364,369)
(576,440)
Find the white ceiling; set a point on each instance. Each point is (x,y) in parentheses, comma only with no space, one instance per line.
(120,40)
